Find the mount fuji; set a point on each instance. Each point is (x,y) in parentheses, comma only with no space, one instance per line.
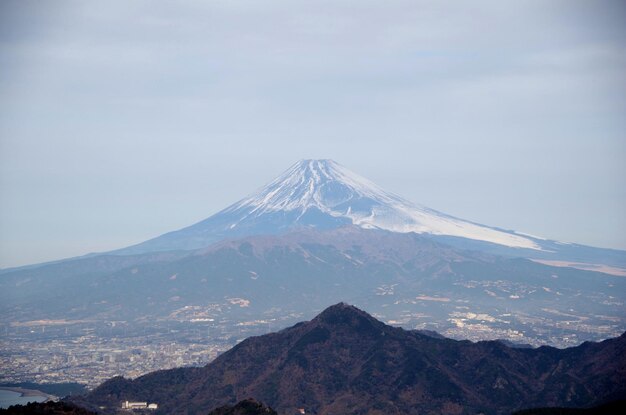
(317,234)
(323,195)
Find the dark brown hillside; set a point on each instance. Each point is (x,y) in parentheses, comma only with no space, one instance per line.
(45,408)
(345,361)
(245,407)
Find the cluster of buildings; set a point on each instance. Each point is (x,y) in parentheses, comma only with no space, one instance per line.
(91,360)
(139,405)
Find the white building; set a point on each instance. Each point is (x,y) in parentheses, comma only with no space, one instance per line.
(134,405)
(139,405)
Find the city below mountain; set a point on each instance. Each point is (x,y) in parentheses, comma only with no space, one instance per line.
(344,361)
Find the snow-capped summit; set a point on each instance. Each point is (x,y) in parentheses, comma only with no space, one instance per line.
(332,189)
(323,194)
(321,184)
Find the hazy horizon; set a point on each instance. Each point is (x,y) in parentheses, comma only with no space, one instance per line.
(122,121)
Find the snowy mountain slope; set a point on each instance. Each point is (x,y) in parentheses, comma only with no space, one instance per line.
(336,191)
(325,195)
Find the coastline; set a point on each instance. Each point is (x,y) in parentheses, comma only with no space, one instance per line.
(29,392)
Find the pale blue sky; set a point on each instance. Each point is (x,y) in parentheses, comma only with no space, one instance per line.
(122,120)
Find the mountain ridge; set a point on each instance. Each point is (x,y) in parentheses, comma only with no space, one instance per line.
(346,361)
